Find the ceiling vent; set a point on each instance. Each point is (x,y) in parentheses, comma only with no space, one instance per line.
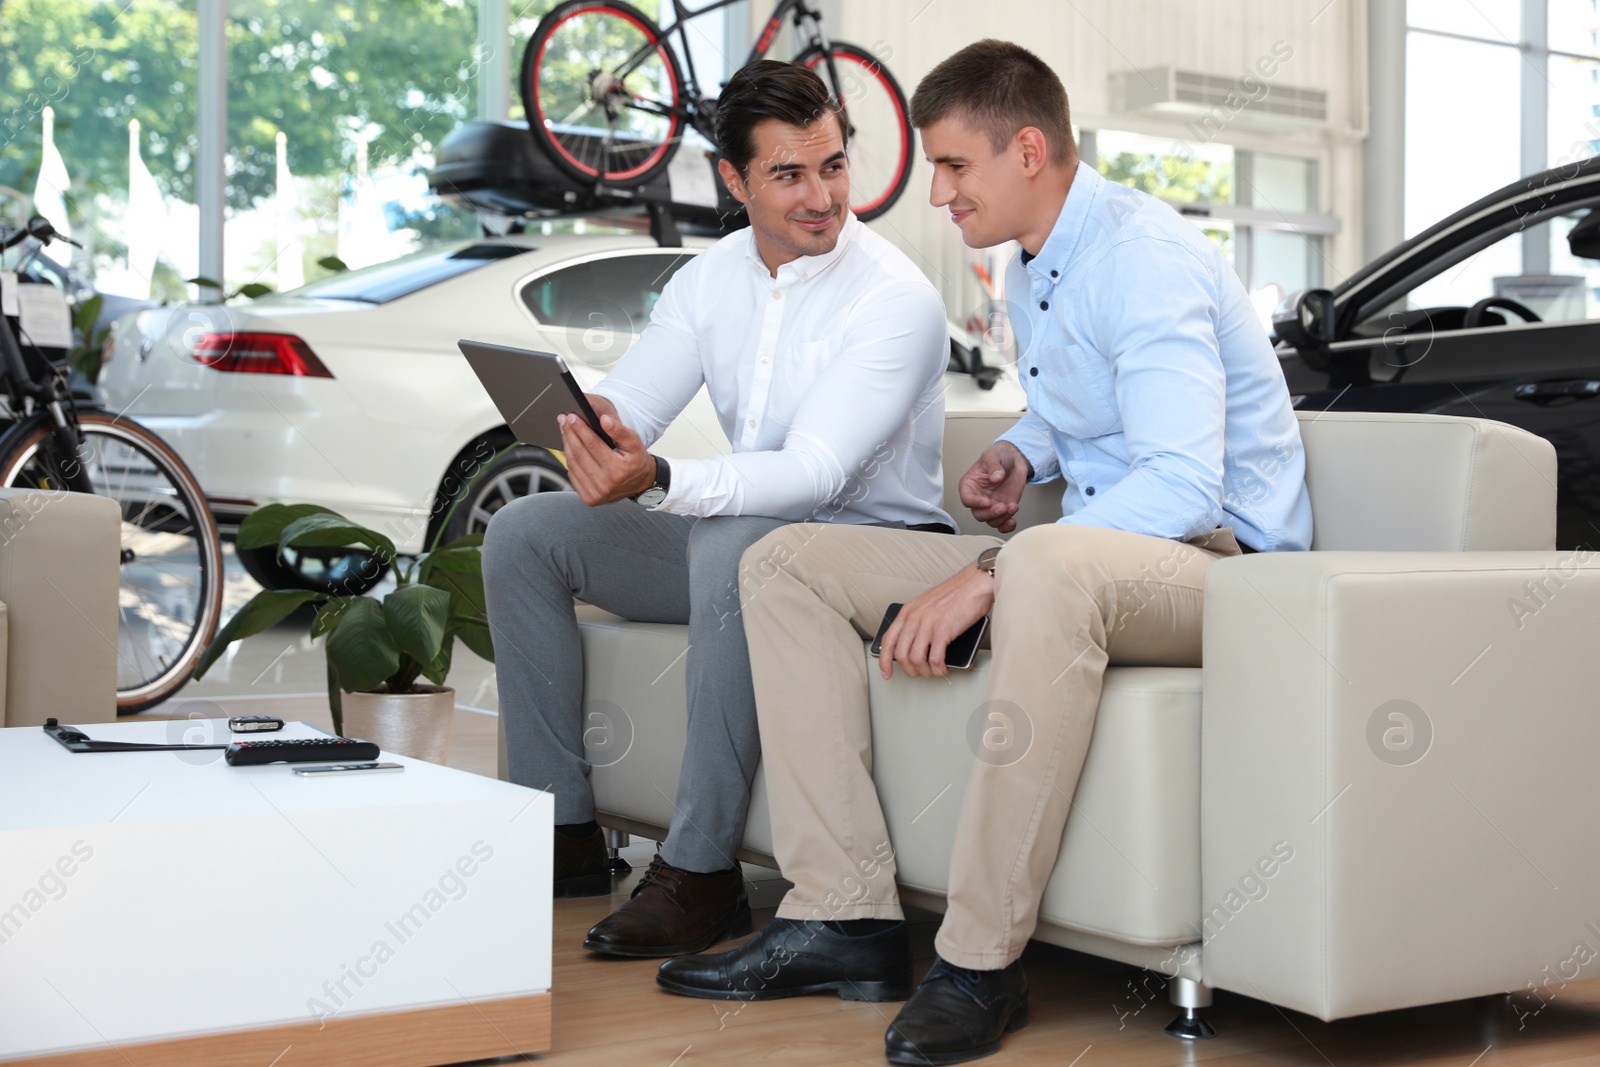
(1210,101)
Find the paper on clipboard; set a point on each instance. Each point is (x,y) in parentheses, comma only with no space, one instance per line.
(46,322)
(690,179)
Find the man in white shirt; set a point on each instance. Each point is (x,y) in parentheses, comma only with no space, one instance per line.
(823,349)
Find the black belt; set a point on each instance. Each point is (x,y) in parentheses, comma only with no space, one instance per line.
(931,527)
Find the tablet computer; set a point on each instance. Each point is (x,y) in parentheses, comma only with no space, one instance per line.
(531,389)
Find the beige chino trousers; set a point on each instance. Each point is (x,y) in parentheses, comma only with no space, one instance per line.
(1069,600)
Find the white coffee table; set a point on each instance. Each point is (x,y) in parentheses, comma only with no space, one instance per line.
(164,908)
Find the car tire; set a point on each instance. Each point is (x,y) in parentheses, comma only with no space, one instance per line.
(335,571)
(520,471)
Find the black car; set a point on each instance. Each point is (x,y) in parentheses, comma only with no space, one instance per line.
(1493,312)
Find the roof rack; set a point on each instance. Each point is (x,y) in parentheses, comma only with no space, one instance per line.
(495,168)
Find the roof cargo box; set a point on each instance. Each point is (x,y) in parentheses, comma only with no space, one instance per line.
(495,167)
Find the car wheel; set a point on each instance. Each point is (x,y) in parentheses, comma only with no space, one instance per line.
(336,571)
(522,471)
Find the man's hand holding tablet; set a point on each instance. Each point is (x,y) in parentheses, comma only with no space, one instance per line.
(600,474)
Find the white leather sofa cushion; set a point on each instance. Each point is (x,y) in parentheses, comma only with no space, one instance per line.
(1130,862)
(1416,483)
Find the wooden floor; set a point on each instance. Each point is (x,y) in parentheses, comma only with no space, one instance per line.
(1085,1012)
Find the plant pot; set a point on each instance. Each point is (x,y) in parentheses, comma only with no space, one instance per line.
(415,724)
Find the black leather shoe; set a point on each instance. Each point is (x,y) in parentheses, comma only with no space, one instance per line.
(957,1015)
(583,866)
(789,958)
(673,912)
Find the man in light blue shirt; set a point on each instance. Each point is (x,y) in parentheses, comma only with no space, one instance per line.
(1154,393)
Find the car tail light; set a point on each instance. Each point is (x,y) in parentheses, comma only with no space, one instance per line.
(260,353)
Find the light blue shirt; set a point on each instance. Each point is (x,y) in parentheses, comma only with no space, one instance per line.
(1151,385)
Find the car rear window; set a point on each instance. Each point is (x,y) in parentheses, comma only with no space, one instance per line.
(401,277)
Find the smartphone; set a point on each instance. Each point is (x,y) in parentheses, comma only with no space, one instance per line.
(959,655)
(348,768)
(250,724)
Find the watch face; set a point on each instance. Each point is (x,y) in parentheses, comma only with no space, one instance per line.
(652,497)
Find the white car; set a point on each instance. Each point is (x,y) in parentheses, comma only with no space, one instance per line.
(351,393)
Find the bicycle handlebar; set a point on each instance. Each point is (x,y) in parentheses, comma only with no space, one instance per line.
(39,228)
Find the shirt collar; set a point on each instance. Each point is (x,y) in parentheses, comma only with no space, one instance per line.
(805,266)
(1062,245)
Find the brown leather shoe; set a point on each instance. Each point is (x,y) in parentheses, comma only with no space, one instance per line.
(674,912)
(583,866)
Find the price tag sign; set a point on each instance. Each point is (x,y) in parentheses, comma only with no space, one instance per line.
(46,320)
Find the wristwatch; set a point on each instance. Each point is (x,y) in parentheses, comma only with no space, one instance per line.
(987,559)
(653,496)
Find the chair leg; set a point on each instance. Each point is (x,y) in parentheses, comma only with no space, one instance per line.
(616,841)
(1189,996)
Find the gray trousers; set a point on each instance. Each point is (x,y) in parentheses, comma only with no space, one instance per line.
(543,550)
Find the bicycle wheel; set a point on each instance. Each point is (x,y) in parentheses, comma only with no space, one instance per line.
(171,593)
(602,92)
(878,124)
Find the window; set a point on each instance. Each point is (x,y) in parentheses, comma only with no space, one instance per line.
(1259,208)
(1463,135)
(409,274)
(1569,291)
(614,295)
(1531,101)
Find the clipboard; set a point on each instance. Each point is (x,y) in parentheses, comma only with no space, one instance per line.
(74,739)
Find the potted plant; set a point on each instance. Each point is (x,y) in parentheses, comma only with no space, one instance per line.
(377,653)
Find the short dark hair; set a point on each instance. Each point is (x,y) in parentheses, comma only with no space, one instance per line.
(999,88)
(768,89)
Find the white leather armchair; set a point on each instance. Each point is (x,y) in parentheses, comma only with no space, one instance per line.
(59,561)
(1361,802)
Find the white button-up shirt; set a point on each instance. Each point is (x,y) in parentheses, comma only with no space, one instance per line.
(828,379)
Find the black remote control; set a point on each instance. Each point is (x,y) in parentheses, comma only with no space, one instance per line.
(313,750)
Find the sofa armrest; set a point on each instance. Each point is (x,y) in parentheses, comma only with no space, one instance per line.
(59,562)
(1397,776)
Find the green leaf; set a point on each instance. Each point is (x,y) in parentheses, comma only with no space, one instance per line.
(474,633)
(465,588)
(328,616)
(254,289)
(439,669)
(331,530)
(87,315)
(471,540)
(333,263)
(264,525)
(468,559)
(263,611)
(204,283)
(417,615)
(361,649)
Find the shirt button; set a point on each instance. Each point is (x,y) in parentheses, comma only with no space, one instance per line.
(765,359)
(1089,491)
(777,294)
(1033,372)
(1053,274)
(753,426)
(1044,305)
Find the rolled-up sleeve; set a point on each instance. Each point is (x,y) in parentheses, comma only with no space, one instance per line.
(1161,328)
(894,344)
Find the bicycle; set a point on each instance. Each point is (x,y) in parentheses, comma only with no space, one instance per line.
(171,558)
(608,102)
